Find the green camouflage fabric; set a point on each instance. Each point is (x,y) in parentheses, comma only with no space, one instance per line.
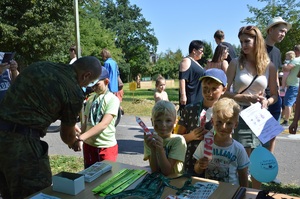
(24,167)
(41,94)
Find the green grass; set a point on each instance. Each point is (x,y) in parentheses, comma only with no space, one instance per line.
(61,163)
(140,102)
(289,189)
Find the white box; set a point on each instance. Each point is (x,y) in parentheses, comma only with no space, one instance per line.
(69,183)
(95,171)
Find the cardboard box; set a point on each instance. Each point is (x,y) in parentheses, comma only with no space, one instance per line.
(69,183)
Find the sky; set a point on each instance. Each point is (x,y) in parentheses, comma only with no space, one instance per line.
(177,22)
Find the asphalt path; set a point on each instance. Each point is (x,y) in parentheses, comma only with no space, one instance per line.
(130,141)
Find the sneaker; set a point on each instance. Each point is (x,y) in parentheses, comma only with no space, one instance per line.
(276,181)
(285,123)
(249,178)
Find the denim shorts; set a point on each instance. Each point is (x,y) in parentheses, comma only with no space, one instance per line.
(245,136)
(290,96)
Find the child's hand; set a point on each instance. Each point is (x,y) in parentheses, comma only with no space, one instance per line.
(199,132)
(158,142)
(150,141)
(202,163)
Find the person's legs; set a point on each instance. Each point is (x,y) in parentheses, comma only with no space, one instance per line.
(255,184)
(25,167)
(289,100)
(287,113)
(90,155)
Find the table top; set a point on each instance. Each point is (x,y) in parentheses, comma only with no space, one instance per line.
(224,188)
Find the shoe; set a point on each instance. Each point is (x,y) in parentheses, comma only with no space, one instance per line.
(285,123)
(249,178)
(276,181)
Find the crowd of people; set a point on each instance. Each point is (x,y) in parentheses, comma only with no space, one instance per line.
(224,87)
(210,100)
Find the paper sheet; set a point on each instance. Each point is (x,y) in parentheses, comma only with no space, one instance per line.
(203,191)
(261,122)
(43,196)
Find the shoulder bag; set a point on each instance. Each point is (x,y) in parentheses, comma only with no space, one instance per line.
(249,84)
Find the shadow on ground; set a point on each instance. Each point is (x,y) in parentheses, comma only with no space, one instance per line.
(136,147)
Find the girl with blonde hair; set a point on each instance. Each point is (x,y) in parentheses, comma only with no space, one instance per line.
(160,93)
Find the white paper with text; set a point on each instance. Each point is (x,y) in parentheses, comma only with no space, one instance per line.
(261,122)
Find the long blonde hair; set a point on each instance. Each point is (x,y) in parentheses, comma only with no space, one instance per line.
(261,56)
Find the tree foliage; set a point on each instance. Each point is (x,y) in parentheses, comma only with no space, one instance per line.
(168,64)
(133,33)
(288,10)
(207,54)
(36,30)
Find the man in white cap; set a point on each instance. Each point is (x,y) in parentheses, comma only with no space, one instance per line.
(276,31)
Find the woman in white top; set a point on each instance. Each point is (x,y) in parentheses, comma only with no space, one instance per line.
(253,61)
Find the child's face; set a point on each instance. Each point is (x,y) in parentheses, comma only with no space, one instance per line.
(288,57)
(224,126)
(211,91)
(161,86)
(163,124)
(100,87)
(225,54)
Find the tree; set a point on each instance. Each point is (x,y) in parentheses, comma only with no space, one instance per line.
(36,30)
(207,54)
(237,49)
(168,64)
(288,10)
(133,33)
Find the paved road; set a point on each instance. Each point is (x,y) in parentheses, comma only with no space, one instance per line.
(130,140)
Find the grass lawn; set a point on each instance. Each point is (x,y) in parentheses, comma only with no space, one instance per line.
(140,102)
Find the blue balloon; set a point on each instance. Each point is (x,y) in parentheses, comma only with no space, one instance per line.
(263,165)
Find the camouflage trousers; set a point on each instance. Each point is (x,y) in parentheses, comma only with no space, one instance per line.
(24,165)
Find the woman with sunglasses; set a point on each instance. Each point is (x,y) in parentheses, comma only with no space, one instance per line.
(189,73)
(253,67)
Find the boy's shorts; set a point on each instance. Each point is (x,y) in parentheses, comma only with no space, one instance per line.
(290,96)
(92,154)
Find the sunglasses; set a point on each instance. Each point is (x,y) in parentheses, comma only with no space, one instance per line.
(246,28)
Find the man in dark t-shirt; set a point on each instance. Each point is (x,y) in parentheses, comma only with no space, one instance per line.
(41,94)
(219,37)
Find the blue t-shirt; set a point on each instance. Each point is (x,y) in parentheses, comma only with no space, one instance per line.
(113,71)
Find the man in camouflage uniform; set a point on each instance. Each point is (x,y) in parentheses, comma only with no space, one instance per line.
(41,94)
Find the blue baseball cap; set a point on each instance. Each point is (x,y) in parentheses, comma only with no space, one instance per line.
(104,74)
(216,74)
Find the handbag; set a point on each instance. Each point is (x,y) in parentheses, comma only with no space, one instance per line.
(120,83)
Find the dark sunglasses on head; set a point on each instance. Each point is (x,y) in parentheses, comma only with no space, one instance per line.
(247,28)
